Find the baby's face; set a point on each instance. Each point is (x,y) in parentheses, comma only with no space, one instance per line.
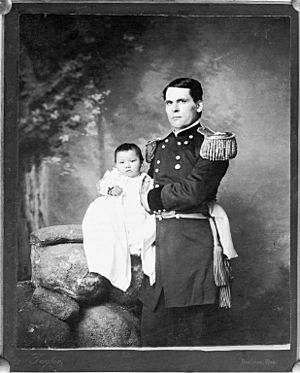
(128,163)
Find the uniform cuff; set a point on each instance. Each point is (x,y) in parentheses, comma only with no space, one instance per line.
(154,199)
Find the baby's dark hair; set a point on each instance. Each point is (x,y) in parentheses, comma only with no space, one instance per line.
(128,146)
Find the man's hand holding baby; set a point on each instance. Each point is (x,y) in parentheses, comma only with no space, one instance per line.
(147,185)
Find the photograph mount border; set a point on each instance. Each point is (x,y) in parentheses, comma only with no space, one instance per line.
(44,360)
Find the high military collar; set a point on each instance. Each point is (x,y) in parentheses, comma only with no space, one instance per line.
(186,128)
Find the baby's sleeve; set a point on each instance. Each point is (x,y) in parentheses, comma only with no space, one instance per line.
(108,181)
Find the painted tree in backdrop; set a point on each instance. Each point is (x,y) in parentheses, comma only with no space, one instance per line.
(66,63)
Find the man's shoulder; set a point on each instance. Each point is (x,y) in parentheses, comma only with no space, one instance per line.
(151,146)
(217,146)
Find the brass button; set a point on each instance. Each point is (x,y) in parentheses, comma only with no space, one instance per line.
(177,157)
(177,166)
(179,143)
(157,170)
(191,136)
(163,146)
(166,140)
(158,161)
(186,142)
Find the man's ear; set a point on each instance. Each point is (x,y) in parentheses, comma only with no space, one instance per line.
(199,106)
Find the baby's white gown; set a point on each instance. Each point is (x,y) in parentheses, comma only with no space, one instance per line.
(115,227)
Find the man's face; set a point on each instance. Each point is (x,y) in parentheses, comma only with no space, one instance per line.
(128,163)
(181,108)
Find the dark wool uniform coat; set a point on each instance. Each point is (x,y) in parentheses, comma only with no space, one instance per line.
(184,182)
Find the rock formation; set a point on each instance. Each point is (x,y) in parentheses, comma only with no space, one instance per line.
(71,303)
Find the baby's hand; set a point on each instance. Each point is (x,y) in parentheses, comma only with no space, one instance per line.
(115,191)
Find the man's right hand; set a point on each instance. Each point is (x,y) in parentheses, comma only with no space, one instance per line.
(147,185)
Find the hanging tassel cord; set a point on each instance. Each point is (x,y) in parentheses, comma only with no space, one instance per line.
(221,269)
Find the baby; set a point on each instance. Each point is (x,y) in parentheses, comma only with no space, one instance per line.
(116,225)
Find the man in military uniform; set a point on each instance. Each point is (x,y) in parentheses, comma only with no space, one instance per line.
(174,308)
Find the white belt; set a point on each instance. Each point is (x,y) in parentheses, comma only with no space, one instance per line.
(219,224)
(173,214)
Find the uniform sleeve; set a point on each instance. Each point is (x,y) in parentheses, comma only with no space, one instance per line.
(151,169)
(199,186)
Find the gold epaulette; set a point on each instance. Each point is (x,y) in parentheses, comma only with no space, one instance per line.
(150,149)
(218,146)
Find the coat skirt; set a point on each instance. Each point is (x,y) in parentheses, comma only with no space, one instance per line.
(187,281)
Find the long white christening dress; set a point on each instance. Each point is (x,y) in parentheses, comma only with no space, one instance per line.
(116,227)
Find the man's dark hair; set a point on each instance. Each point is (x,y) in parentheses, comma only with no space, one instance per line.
(193,85)
(128,146)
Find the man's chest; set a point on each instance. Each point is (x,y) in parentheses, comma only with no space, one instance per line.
(175,157)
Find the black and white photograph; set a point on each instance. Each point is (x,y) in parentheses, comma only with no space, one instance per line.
(150,186)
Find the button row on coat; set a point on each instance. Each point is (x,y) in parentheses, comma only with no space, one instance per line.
(184,142)
(178,142)
(177,165)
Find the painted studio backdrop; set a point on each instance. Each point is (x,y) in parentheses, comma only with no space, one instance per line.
(89,83)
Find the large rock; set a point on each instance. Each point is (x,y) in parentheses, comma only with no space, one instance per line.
(59,264)
(62,268)
(108,325)
(59,305)
(36,328)
(57,234)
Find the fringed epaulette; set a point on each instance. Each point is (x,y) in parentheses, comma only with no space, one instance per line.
(217,146)
(151,146)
